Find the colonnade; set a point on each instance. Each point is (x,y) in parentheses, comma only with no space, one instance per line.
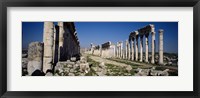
(132,48)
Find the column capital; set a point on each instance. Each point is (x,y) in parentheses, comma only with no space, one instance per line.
(160,30)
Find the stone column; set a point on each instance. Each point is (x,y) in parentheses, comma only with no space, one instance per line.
(56,46)
(153,47)
(147,47)
(48,39)
(121,50)
(141,48)
(132,42)
(61,41)
(161,46)
(117,51)
(126,55)
(114,50)
(136,49)
(129,50)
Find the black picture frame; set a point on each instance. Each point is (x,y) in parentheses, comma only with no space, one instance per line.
(99,3)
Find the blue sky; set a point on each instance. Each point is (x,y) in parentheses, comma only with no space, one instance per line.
(101,32)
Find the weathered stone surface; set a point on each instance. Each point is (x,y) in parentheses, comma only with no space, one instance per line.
(151,72)
(161,46)
(102,65)
(101,73)
(35,55)
(163,73)
(35,51)
(128,68)
(69,65)
(34,65)
(83,60)
(49,74)
(56,74)
(59,65)
(71,74)
(153,47)
(76,66)
(84,67)
(48,39)
(71,70)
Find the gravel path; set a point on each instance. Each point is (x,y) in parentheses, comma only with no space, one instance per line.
(99,59)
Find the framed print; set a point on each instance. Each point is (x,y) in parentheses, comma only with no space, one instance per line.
(101,48)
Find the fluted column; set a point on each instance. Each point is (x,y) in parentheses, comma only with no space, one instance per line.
(161,46)
(132,49)
(141,48)
(147,47)
(48,38)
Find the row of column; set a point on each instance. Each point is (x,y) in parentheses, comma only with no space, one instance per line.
(119,50)
(131,47)
(56,44)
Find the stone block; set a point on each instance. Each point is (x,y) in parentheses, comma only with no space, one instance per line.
(35,51)
(34,65)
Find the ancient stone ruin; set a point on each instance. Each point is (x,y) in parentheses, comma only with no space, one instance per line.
(60,43)
(133,38)
(108,50)
(59,54)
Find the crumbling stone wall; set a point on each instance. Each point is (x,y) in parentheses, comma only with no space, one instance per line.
(60,43)
(35,57)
